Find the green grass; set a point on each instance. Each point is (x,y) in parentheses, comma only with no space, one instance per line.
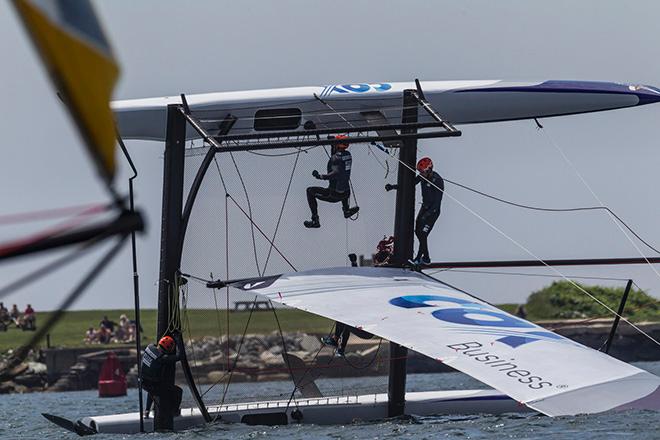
(70,330)
(559,300)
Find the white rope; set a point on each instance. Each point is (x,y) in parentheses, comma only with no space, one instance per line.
(593,193)
(512,240)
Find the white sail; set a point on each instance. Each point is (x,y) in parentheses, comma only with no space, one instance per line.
(540,369)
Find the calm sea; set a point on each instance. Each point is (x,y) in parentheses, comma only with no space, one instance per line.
(21,418)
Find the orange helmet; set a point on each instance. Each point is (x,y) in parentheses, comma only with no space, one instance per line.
(341,146)
(424,164)
(167,343)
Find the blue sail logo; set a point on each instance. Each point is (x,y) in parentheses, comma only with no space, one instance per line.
(478,314)
(355,88)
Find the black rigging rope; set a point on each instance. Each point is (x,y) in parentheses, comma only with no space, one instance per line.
(286,355)
(539,208)
(368,364)
(249,217)
(229,196)
(279,218)
(541,275)
(238,353)
(299,150)
(247,197)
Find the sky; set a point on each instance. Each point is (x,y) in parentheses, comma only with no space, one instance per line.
(168,47)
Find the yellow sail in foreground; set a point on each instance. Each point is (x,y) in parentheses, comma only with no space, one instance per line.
(74,49)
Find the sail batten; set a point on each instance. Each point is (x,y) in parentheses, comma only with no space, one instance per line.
(539,368)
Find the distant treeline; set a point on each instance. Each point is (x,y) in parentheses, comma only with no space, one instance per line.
(563,300)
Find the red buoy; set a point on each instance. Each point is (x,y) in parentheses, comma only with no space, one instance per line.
(112,380)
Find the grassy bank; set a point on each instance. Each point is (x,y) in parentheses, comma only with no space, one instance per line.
(560,300)
(70,331)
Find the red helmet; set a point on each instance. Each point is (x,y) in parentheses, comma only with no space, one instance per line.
(167,343)
(341,146)
(424,164)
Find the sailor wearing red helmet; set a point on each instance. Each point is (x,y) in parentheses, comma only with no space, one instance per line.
(339,188)
(154,359)
(433,188)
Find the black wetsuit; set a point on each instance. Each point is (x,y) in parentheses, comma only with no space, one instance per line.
(154,360)
(430,210)
(339,189)
(343,332)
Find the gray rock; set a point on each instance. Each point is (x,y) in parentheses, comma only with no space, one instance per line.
(309,343)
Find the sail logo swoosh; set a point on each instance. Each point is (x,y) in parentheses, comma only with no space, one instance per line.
(493,321)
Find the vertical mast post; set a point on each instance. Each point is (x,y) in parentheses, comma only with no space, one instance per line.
(619,314)
(404,228)
(169,244)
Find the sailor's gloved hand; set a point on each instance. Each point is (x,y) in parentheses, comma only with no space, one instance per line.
(389,187)
(316,174)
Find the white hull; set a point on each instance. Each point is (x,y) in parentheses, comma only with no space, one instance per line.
(459,102)
(326,410)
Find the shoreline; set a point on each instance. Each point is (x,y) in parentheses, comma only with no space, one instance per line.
(261,357)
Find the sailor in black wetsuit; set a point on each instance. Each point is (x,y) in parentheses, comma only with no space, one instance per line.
(339,189)
(154,359)
(433,188)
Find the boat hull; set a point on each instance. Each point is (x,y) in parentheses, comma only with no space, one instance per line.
(459,102)
(323,410)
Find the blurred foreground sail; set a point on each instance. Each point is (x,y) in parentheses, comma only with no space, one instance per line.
(73,47)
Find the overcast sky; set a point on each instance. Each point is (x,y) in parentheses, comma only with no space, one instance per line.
(166,48)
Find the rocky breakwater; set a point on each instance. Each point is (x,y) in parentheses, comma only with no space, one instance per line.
(84,374)
(261,358)
(28,376)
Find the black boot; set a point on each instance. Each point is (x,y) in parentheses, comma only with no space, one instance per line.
(314,223)
(350,212)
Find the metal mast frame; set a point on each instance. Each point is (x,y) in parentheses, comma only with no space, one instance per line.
(175,215)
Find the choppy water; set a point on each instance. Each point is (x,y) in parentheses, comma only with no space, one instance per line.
(21,418)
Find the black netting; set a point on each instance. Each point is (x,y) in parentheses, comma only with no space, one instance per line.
(231,351)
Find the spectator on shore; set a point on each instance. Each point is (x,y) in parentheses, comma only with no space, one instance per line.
(91,336)
(15,315)
(107,324)
(134,330)
(29,319)
(4,317)
(104,335)
(521,312)
(4,313)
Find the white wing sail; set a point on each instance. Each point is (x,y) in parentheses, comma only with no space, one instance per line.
(540,369)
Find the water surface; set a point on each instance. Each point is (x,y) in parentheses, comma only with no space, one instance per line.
(21,419)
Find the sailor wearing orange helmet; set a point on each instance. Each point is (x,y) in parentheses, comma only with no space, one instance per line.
(433,187)
(339,188)
(154,359)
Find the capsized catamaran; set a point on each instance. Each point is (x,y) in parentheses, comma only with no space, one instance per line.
(529,367)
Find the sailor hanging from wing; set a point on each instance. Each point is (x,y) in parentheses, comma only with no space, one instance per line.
(338,190)
(433,188)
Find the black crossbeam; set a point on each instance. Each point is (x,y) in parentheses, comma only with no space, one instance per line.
(348,140)
(538,263)
(328,131)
